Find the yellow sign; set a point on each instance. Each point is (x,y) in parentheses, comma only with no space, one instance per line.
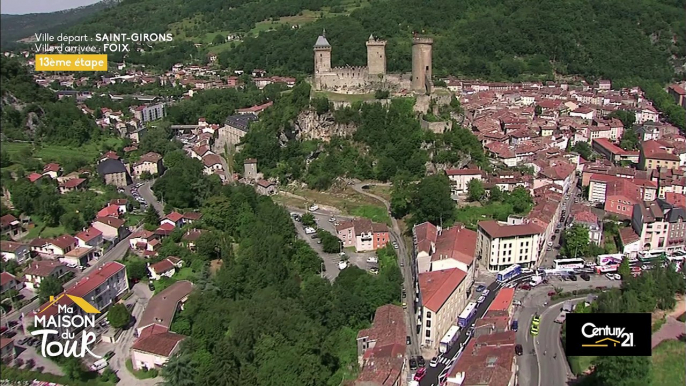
(84,305)
(71,62)
(600,343)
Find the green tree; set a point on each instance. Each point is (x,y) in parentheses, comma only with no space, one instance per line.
(624,269)
(72,222)
(538,110)
(136,269)
(431,201)
(520,199)
(330,243)
(218,39)
(584,150)
(178,371)
(152,218)
(495,194)
(475,190)
(49,286)
(119,316)
(575,241)
(308,219)
(623,371)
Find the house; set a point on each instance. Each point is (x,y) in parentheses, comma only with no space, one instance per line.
(486,360)
(90,237)
(39,270)
(72,185)
(191,237)
(156,343)
(165,268)
(191,217)
(235,128)
(141,239)
(52,170)
(442,296)
(53,248)
(33,177)
(149,113)
(121,203)
(164,230)
(101,288)
(631,242)
(583,112)
(149,162)
(114,173)
(111,227)
(678,93)
(109,211)
(620,197)
(11,226)
(11,250)
(266,188)
(7,352)
(656,155)
(460,178)
(381,348)
(250,169)
(212,162)
(502,245)
(9,282)
(659,225)
(438,249)
(363,234)
(173,218)
(109,155)
(79,256)
(589,220)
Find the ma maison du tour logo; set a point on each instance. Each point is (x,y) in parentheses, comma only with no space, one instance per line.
(608,334)
(59,332)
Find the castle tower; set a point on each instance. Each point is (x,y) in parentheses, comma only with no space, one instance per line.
(376,56)
(421,64)
(322,55)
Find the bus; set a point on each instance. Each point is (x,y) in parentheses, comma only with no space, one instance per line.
(467,315)
(609,259)
(651,256)
(449,339)
(509,272)
(569,263)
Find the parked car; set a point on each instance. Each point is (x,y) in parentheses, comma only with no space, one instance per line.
(486,292)
(109,355)
(408,340)
(433,362)
(413,364)
(515,325)
(420,361)
(610,276)
(372,259)
(480,288)
(421,372)
(342,265)
(151,287)
(525,286)
(99,365)
(572,277)
(519,350)
(374,271)
(585,277)
(480,299)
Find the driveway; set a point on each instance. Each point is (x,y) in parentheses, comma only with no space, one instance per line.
(145,191)
(139,300)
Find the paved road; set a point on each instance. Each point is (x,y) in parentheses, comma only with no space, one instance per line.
(149,196)
(549,256)
(407,268)
(533,302)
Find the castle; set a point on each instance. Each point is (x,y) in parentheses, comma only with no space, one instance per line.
(352,80)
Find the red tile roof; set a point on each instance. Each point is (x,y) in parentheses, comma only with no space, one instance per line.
(486,365)
(6,277)
(64,241)
(159,343)
(7,220)
(10,246)
(166,227)
(657,150)
(384,362)
(503,300)
(624,188)
(109,211)
(426,234)
(51,167)
(111,221)
(73,183)
(628,236)
(174,216)
(33,177)
(457,243)
(118,201)
(85,286)
(438,286)
(5,341)
(88,235)
(676,199)
(43,268)
(165,265)
(463,172)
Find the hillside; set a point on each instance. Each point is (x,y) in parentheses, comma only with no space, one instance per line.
(16,27)
(496,39)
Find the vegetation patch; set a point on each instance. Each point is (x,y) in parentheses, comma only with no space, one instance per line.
(657,324)
(141,374)
(682,317)
(579,365)
(375,213)
(337,97)
(668,363)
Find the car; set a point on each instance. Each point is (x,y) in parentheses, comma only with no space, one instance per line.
(314,208)
(319,241)
(10,334)
(342,265)
(534,327)
(525,286)
(408,340)
(517,302)
(404,306)
(103,324)
(99,365)
(332,219)
(549,249)
(480,288)
(413,364)
(129,307)
(480,299)
(550,243)
(421,372)
(486,292)
(374,271)
(585,277)
(572,277)
(519,350)
(395,246)
(402,263)
(420,361)
(610,276)
(433,362)
(515,325)
(552,293)
(372,259)
(618,276)
(151,287)
(22,341)
(404,294)
(314,236)
(108,355)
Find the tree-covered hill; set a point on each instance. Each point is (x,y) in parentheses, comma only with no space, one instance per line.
(496,39)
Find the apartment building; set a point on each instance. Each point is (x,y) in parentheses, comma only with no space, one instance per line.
(659,225)
(149,113)
(443,295)
(460,178)
(101,288)
(363,234)
(437,249)
(149,162)
(658,154)
(503,245)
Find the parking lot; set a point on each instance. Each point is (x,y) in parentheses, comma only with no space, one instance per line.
(331,260)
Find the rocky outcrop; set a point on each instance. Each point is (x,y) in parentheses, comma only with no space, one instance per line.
(310,125)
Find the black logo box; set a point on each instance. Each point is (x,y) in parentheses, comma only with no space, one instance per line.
(608,345)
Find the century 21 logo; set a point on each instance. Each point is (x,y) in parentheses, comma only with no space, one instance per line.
(623,338)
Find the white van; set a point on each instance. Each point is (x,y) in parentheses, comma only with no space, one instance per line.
(310,230)
(99,365)
(314,208)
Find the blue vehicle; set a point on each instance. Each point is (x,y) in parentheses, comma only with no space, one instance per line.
(480,288)
(515,325)
(509,273)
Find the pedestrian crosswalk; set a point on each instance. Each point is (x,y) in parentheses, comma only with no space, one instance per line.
(444,361)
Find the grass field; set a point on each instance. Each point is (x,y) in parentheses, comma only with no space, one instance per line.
(381,191)
(49,153)
(133,219)
(668,364)
(374,213)
(185,274)
(347,201)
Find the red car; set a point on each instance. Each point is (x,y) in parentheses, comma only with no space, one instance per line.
(421,372)
(552,293)
(525,287)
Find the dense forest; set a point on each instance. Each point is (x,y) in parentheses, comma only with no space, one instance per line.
(502,39)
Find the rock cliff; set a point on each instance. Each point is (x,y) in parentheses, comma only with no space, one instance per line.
(310,125)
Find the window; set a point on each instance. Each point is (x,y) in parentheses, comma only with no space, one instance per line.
(428,324)
(428,333)
(428,314)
